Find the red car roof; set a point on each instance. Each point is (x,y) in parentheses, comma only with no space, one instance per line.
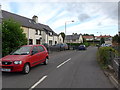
(32,45)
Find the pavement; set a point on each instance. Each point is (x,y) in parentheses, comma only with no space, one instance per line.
(66,69)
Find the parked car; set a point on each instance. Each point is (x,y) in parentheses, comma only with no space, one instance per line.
(57,47)
(82,47)
(65,46)
(46,46)
(25,57)
(106,45)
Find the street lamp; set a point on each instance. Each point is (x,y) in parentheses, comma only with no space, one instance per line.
(66,25)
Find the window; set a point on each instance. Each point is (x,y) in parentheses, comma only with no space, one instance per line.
(35,50)
(22,51)
(74,40)
(37,41)
(41,48)
(50,33)
(36,32)
(30,41)
(50,42)
(55,42)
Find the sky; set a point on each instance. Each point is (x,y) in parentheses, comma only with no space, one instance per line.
(90,17)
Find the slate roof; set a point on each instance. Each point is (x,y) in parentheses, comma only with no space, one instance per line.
(26,22)
(72,37)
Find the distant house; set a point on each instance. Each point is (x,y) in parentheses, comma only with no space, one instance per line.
(97,38)
(60,40)
(74,38)
(36,32)
(107,38)
(88,38)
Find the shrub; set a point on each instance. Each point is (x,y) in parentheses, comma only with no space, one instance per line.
(104,54)
(12,36)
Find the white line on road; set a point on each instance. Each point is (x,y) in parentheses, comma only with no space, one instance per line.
(63,63)
(38,82)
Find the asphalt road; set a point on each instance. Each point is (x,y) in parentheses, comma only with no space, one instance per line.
(66,69)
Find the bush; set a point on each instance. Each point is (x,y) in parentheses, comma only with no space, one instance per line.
(86,44)
(12,36)
(104,54)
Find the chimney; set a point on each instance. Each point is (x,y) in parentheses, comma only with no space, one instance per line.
(35,18)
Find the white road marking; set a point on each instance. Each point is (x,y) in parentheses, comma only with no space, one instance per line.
(38,82)
(63,63)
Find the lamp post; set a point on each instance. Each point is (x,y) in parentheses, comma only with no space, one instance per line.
(66,25)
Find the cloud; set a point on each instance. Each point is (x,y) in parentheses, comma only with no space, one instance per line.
(83,17)
(92,16)
(87,10)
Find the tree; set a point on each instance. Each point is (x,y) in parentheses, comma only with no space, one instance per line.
(12,36)
(102,40)
(116,39)
(63,35)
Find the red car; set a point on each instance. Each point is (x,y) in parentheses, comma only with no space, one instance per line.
(24,58)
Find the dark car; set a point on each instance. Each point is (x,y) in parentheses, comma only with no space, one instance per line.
(82,47)
(58,47)
(46,45)
(65,46)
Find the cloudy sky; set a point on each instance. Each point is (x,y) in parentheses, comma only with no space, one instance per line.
(89,17)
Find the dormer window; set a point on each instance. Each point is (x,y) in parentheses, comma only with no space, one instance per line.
(50,33)
(29,21)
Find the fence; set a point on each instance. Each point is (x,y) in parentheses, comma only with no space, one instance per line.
(114,61)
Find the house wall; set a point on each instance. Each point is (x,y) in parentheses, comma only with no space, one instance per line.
(80,39)
(60,39)
(55,39)
(45,38)
(32,35)
(39,37)
(25,30)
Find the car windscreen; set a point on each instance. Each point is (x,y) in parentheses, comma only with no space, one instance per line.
(81,46)
(22,51)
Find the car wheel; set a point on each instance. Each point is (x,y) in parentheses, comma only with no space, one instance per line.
(26,69)
(46,61)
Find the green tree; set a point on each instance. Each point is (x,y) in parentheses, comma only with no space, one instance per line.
(12,36)
(102,40)
(63,35)
(116,39)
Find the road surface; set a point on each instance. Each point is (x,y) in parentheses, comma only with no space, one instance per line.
(66,69)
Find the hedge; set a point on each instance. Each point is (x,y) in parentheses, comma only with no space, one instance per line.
(103,55)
